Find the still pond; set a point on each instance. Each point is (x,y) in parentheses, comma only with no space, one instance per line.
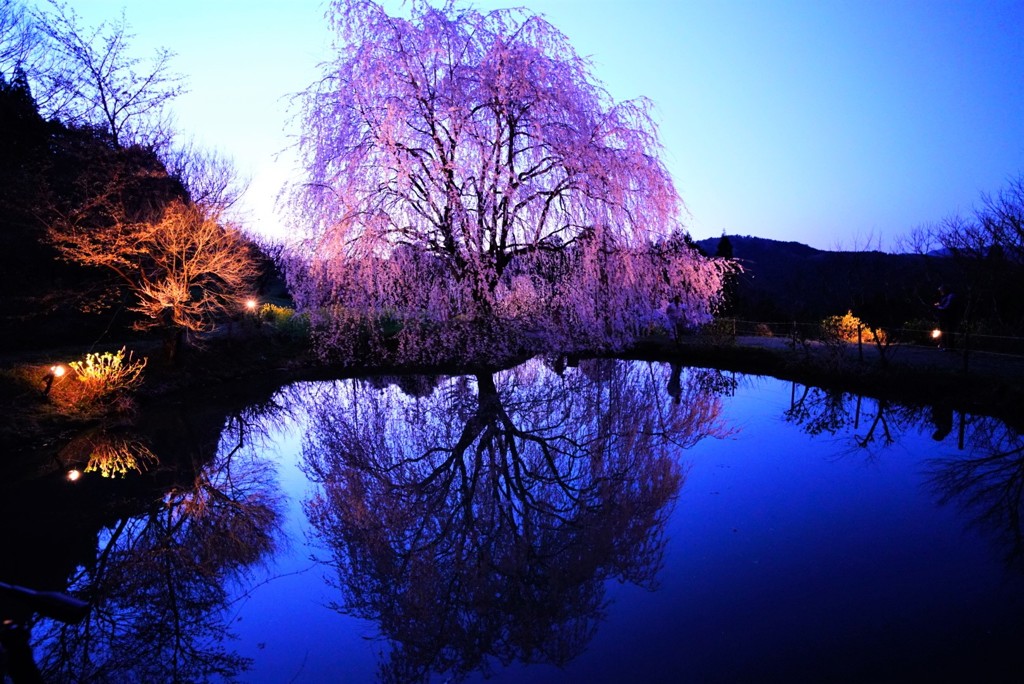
(599,521)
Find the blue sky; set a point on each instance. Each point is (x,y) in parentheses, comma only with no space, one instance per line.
(837,124)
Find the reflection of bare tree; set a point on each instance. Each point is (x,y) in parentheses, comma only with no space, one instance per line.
(157,582)
(479,522)
(875,422)
(254,426)
(817,410)
(988,481)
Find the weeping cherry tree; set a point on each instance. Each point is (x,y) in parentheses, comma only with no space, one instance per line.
(466,167)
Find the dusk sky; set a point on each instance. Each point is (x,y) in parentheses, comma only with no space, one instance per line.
(837,124)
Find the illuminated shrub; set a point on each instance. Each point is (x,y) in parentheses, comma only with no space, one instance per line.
(99,381)
(109,453)
(119,456)
(849,328)
(286,321)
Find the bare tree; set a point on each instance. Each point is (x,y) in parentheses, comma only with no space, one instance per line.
(987,247)
(209,178)
(100,83)
(184,269)
(1001,220)
(18,37)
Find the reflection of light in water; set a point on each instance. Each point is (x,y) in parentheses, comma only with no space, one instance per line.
(117,456)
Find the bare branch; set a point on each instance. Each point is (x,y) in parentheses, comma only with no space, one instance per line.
(97,82)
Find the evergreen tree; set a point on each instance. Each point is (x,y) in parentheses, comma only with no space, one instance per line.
(724,249)
(25,261)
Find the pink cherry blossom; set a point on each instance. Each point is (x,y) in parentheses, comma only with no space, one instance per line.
(469,180)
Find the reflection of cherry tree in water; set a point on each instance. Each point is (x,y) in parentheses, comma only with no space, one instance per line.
(157,582)
(988,481)
(480,523)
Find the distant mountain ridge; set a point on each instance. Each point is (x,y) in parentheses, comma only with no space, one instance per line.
(793,281)
(752,245)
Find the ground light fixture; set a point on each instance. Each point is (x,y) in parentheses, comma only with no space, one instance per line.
(56,371)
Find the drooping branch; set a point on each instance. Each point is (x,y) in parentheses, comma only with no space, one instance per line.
(481,141)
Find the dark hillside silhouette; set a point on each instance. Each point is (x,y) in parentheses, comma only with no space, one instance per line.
(790,281)
(50,171)
(62,187)
(28,263)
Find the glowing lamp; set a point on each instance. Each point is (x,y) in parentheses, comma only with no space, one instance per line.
(55,372)
(250,304)
(936,334)
(73,475)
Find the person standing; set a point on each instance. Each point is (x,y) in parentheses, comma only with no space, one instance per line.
(676,314)
(945,311)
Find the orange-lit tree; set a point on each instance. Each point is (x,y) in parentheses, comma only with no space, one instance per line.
(184,270)
(86,167)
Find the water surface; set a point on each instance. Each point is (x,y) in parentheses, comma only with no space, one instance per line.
(610,521)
